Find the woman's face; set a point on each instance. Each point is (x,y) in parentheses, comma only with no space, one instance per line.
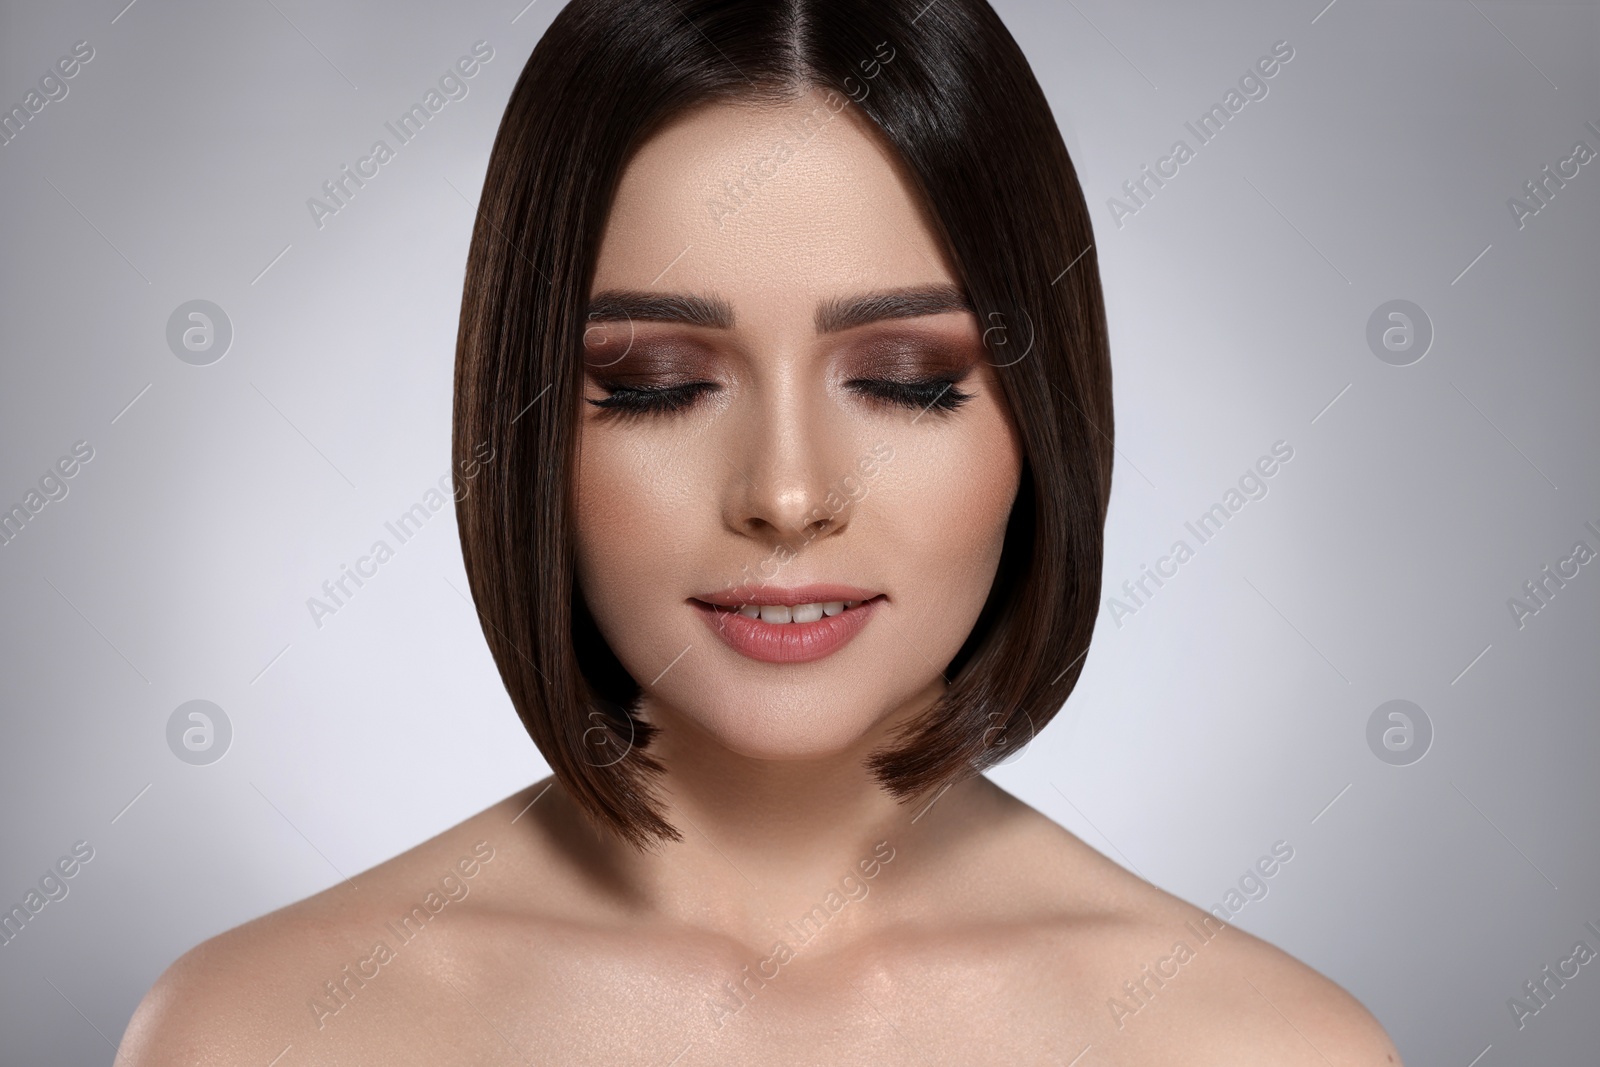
(772,423)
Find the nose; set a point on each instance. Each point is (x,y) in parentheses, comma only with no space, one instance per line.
(784,478)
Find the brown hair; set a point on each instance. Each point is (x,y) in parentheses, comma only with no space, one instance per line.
(953,94)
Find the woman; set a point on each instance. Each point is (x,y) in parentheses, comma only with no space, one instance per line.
(784,396)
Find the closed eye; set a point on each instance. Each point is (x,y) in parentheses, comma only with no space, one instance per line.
(924,394)
(628,400)
(939,394)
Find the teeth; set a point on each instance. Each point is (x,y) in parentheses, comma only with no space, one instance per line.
(781,613)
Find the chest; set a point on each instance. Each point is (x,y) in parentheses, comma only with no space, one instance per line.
(601,998)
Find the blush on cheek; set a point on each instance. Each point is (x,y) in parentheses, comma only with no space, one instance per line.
(972,482)
(639,513)
(946,515)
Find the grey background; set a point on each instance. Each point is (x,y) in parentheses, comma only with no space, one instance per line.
(1228,713)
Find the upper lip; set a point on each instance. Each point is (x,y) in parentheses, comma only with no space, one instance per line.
(759,594)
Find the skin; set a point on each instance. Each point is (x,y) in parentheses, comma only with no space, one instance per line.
(962,928)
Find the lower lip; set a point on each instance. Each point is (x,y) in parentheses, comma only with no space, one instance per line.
(786,642)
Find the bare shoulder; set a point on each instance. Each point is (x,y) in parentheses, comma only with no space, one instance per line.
(278,981)
(1273,1009)
(1154,979)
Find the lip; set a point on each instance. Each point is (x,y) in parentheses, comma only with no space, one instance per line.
(788,642)
(815,593)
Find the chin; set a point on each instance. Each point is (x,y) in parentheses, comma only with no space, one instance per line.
(784,723)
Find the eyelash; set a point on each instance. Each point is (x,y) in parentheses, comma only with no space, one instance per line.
(627,401)
(925,394)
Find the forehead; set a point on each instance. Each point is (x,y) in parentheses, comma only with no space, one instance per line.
(774,208)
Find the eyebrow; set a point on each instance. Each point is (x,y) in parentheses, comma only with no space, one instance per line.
(621,305)
(843,313)
(832,315)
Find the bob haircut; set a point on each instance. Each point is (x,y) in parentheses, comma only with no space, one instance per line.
(953,95)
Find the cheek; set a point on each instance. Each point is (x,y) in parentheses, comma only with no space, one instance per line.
(950,504)
(623,533)
(633,501)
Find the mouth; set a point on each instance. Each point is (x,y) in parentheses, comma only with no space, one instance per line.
(789,626)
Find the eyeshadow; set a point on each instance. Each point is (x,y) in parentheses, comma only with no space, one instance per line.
(656,361)
(920,354)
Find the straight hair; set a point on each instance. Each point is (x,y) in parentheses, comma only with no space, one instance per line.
(953,95)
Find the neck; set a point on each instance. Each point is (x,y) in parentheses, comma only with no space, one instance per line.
(765,841)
